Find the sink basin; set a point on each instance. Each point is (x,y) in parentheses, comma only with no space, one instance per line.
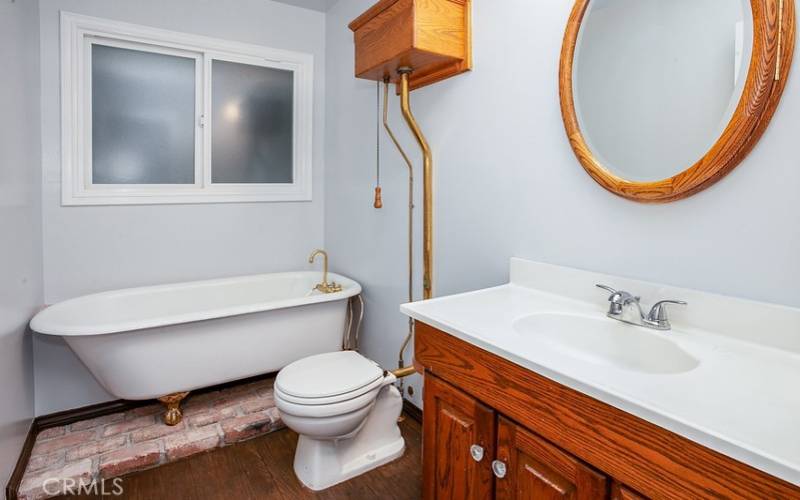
(606,341)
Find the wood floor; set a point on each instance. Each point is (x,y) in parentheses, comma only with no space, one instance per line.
(262,469)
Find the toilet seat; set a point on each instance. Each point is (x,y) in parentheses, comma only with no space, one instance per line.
(338,398)
(326,410)
(328,379)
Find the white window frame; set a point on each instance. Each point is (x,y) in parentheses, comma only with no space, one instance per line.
(79,32)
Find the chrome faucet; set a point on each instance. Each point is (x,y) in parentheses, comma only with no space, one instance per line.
(621,303)
(324,287)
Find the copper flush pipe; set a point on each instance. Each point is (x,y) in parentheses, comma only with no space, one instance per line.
(427,184)
(401,357)
(427,204)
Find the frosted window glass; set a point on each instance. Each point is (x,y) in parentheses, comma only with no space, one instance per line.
(143,117)
(252,124)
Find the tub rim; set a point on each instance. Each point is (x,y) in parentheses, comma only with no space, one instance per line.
(43,324)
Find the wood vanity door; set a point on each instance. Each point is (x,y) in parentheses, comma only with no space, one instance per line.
(622,492)
(537,470)
(453,423)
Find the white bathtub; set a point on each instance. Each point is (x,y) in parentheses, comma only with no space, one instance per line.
(143,343)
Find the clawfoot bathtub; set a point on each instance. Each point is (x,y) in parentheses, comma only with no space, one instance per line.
(163,341)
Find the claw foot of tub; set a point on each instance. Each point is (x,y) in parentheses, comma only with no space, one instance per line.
(173,415)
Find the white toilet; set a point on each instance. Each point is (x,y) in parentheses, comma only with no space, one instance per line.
(345,409)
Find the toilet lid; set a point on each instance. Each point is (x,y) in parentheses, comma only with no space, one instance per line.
(329,374)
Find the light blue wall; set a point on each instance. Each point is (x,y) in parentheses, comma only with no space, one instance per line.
(508,184)
(88,249)
(20,221)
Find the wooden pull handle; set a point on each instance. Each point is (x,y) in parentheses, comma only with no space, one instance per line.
(378,200)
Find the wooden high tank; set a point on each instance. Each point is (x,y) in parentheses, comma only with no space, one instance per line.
(432,37)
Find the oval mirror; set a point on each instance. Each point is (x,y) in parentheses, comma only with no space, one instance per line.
(662,98)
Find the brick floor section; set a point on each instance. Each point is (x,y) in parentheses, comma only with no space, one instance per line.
(136,457)
(40,462)
(50,482)
(91,423)
(129,425)
(54,432)
(241,428)
(97,447)
(112,445)
(155,431)
(185,444)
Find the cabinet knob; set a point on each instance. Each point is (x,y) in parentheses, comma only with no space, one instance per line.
(499,469)
(476,451)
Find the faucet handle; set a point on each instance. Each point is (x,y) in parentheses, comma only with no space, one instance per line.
(606,288)
(615,299)
(657,317)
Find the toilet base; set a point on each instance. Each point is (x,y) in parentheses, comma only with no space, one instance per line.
(322,463)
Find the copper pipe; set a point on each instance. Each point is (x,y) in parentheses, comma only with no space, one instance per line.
(401,357)
(404,372)
(410,189)
(427,185)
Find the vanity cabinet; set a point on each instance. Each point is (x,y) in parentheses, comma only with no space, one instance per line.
(493,429)
(465,458)
(621,492)
(535,469)
(459,432)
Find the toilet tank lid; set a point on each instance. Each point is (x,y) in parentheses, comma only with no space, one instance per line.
(326,375)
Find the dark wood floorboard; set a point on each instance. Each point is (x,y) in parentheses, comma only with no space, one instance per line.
(262,469)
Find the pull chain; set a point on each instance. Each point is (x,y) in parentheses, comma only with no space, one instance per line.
(378,200)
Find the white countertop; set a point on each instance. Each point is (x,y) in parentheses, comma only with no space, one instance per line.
(742,400)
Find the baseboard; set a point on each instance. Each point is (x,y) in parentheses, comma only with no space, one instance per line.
(412,410)
(67,417)
(22,462)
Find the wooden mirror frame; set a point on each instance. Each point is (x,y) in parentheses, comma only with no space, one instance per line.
(773,48)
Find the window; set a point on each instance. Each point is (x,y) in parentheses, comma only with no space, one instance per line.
(152,116)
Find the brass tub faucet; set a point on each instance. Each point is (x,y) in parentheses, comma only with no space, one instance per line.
(324,287)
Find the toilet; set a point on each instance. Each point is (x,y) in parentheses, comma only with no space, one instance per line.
(344,407)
